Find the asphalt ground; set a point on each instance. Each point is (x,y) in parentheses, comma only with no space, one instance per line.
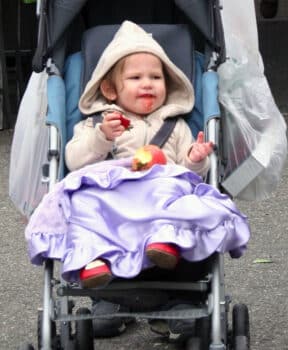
(262,286)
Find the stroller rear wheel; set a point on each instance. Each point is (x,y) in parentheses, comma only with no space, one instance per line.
(84,336)
(201,340)
(240,331)
(193,343)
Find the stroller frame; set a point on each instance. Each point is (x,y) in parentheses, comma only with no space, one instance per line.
(216,306)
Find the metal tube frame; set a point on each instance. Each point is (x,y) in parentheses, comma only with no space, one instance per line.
(53,178)
(218,290)
(49,265)
(46,320)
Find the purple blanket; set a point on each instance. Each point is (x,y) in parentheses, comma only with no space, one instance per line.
(106,210)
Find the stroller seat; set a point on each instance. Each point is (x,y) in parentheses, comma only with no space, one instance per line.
(190,62)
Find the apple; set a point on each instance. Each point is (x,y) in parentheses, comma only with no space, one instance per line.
(147,156)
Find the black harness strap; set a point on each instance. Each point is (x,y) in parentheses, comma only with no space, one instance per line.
(97,118)
(164,132)
(161,136)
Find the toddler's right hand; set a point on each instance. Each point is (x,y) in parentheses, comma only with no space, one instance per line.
(111,125)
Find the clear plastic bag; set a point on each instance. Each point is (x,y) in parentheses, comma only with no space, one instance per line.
(29,147)
(254,131)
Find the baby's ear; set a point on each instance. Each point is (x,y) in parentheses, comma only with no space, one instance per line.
(108,90)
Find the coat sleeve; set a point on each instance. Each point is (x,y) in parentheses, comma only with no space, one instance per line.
(87,146)
(185,141)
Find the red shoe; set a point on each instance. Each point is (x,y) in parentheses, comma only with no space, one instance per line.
(95,274)
(164,255)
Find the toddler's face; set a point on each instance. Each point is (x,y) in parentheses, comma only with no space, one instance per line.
(141,87)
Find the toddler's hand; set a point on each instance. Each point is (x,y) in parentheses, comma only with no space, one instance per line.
(111,125)
(200,149)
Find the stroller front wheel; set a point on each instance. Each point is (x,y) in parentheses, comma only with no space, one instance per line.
(84,336)
(240,324)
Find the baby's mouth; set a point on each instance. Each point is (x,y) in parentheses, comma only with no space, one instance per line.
(146,96)
(147,101)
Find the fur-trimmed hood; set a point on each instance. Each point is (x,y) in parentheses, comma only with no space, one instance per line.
(129,39)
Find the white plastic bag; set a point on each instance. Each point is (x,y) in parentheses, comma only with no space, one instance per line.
(254,131)
(240,26)
(29,147)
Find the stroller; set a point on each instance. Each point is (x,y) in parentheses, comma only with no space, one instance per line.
(67,30)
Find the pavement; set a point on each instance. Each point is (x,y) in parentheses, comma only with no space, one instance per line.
(262,286)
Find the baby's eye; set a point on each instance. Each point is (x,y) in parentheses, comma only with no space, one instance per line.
(134,77)
(157,77)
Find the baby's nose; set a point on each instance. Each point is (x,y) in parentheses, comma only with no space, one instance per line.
(146,82)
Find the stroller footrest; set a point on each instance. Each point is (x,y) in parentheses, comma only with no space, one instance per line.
(183,314)
(199,286)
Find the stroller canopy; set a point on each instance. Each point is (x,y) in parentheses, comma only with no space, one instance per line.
(57,17)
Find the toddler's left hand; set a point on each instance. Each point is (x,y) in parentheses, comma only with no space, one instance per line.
(200,149)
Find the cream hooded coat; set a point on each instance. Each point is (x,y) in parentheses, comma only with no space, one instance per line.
(89,143)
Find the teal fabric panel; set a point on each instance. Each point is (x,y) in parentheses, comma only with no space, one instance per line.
(72,79)
(210,101)
(56,115)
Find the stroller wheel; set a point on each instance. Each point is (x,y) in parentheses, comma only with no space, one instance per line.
(201,339)
(240,324)
(70,345)
(84,336)
(193,343)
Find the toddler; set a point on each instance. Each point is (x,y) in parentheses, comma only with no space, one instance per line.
(135,80)
(104,220)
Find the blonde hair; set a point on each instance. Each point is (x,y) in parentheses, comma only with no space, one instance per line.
(116,71)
